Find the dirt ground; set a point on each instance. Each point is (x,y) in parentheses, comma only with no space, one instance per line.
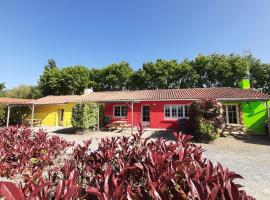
(248,156)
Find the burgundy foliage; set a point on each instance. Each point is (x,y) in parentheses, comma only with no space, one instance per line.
(22,150)
(131,168)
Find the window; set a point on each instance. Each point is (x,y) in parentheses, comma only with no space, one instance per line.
(120,111)
(62,115)
(176,111)
(231,114)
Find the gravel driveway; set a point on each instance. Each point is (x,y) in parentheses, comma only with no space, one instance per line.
(248,156)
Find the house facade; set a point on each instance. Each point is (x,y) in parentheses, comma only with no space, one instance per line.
(161,108)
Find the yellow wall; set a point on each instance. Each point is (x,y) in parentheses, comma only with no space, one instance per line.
(49,114)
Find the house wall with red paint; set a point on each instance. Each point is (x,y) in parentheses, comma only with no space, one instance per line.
(157,116)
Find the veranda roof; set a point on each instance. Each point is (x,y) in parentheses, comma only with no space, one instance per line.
(15,101)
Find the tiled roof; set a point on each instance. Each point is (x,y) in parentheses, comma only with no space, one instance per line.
(57,100)
(14,101)
(148,95)
(174,94)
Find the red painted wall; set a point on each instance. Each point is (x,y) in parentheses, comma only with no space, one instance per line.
(156,113)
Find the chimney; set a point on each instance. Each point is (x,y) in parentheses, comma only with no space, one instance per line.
(88,90)
(244,84)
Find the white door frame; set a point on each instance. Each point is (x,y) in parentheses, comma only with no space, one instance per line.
(145,123)
(237,112)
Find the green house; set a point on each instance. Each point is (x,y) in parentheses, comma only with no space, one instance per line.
(251,112)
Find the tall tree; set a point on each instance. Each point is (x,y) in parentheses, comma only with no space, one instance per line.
(260,76)
(74,80)
(116,76)
(220,70)
(49,81)
(183,75)
(157,75)
(2,87)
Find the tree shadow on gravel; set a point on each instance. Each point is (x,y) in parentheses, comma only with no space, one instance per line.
(69,131)
(253,139)
(166,135)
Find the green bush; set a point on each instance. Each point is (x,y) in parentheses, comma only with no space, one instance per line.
(206,119)
(85,116)
(207,129)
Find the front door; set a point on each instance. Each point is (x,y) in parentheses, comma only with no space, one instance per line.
(145,116)
(61,117)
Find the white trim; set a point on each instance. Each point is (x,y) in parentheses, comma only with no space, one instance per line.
(176,105)
(227,113)
(120,105)
(147,123)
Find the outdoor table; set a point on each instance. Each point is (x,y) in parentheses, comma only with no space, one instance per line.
(118,124)
(35,121)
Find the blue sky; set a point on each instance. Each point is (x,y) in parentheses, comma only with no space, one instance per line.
(100,32)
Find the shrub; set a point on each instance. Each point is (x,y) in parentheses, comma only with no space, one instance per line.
(131,168)
(85,116)
(206,119)
(22,150)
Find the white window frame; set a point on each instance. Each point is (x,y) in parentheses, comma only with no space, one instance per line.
(121,116)
(227,113)
(184,106)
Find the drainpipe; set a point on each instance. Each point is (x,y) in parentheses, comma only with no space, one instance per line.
(98,117)
(132,118)
(8,115)
(32,119)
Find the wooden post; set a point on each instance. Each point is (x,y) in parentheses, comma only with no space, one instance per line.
(32,117)
(132,118)
(98,117)
(268,117)
(8,115)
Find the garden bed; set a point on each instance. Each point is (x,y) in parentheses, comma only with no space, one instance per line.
(121,168)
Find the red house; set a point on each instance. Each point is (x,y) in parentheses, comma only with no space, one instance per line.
(168,108)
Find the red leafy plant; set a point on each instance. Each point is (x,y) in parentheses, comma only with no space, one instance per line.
(22,150)
(132,168)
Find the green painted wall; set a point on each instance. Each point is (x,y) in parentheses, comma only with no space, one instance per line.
(254,116)
(244,84)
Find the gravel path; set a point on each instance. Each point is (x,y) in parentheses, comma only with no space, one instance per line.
(247,156)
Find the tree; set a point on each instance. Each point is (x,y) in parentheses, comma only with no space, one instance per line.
(183,75)
(260,76)
(2,87)
(51,64)
(23,92)
(220,70)
(115,76)
(157,75)
(95,76)
(74,80)
(49,81)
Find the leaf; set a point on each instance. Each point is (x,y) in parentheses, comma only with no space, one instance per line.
(232,190)
(10,191)
(214,193)
(59,190)
(72,192)
(94,191)
(38,189)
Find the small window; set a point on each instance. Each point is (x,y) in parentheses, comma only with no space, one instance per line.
(176,111)
(231,114)
(120,111)
(167,111)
